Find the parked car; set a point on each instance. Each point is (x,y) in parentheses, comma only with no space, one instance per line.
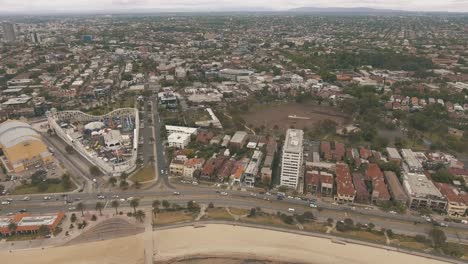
(313,205)
(224,193)
(176,193)
(291,210)
(5,202)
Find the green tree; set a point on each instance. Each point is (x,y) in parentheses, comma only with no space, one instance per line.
(12,227)
(81,207)
(73,218)
(134,203)
(38,177)
(113,181)
(166,204)
(155,205)
(43,230)
(438,237)
(140,215)
(66,181)
(99,207)
(94,170)
(69,149)
(115,204)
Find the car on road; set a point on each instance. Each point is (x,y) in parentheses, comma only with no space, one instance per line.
(122,199)
(46,198)
(5,202)
(22,210)
(77,199)
(195,183)
(313,205)
(443,224)
(267,193)
(115,196)
(101,197)
(464,222)
(71,208)
(290,197)
(224,193)
(253,194)
(176,193)
(10,214)
(291,210)
(392,212)
(129,199)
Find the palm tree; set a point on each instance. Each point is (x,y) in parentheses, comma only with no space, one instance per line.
(155,205)
(140,215)
(12,227)
(81,207)
(166,204)
(134,203)
(115,204)
(99,207)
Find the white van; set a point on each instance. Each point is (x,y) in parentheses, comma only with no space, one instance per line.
(291,210)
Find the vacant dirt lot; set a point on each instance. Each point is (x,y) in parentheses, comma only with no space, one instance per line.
(308,114)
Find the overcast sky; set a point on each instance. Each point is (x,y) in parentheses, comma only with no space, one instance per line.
(32,6)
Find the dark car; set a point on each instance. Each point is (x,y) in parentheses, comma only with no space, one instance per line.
(22,210)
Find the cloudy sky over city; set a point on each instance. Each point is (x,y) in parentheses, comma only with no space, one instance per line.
(215,5)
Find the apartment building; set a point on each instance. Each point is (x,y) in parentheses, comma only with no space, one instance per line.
(457,202)
(292,158)
(422,193)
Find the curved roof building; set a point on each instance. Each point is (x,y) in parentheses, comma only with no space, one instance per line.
(22,146)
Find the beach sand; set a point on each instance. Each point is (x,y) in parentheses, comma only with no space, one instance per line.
(219,240)
(226,243)
(123,250)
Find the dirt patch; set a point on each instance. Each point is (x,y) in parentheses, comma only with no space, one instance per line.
(284,116)
(217,214)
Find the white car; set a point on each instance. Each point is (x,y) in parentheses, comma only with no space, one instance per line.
(26,198)
(224,193)
(291,210)
(115,196)
(47,198)
(313,205)
(101,197)
(392,212)
(176,193)
(5,202)
(71,208)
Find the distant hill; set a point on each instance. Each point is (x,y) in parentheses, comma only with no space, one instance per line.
(351,10)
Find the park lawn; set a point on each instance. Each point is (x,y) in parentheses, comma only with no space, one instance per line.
(31,189)
(23,237)
(315,227)
(363,235)
(144,174)
(408,242)
(239,211)
(218,213)
(172,217)
(267,220)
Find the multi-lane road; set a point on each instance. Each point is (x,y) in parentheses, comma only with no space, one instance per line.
(398,223)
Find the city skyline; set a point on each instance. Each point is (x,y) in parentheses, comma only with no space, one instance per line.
(87,6)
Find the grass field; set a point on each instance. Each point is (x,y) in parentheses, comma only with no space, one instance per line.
(144,174)
(218,213)
(315,227)
(363,235)
(172,217)
(271,220)
(307,115)
(239,211)
(30,189)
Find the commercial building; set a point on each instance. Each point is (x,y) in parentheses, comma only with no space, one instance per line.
(181,129)
(178,140)
(252,169)
(233,74)
(8,32)
(27,224)
(191,165)
(291,162)
(345,191)
(396,190)
(411,161)
(457,202)
(22,146)
(239,139)
(393,155)
(362,194)
(177,165)
(422,193)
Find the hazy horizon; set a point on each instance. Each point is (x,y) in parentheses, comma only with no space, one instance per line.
(122,6)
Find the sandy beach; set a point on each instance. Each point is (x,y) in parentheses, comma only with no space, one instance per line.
(215,240)
(123,250)
(218,240)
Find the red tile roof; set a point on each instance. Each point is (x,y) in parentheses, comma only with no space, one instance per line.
(344,182)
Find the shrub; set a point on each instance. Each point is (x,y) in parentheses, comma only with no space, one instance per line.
(93,218)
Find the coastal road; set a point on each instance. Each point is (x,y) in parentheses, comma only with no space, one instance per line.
(234,199)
